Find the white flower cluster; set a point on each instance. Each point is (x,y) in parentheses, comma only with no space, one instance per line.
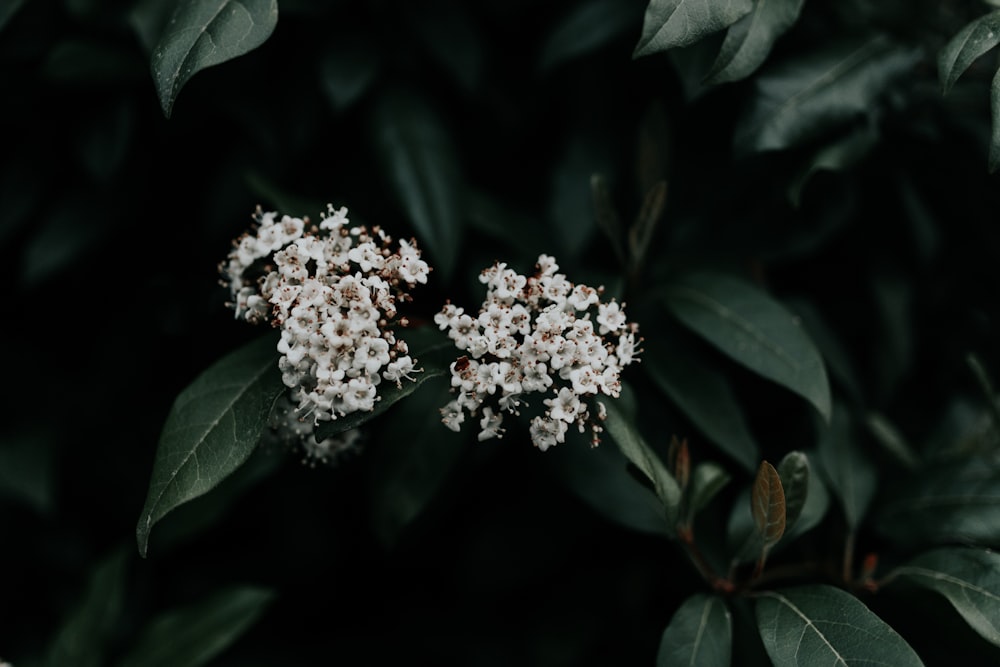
(333,291)
(286,429)
(536,334)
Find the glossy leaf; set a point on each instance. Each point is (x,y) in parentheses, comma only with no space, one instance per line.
(968,578)
(586,28)
(203,33)
(671,23)
(793,470)
(212,428)
(699,634)
(422,168)
(852,476)
(623,431)
(767,505)
(749,41)
(800,99)
(753,329)
(823,625)
(946,503)
(972,41)
(195,634)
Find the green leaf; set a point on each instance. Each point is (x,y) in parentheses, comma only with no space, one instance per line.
(804,97)
(635,449)
(203,33)
(837,156)
(892,441)
(193,635)
(851,474)
(671,23)
(700,633)
(586,28)
(968,578)
(823,625)
(767,505)
(411,460)
(972,41)
(82,639)
(430,350)
(26,470)
(347,70)
(707,480)
(421,164)
(748,41)
(212,428)
(835,356)
(704,395)
(794,473)
(7,10)
(946,503)
(753,329)
(995,118)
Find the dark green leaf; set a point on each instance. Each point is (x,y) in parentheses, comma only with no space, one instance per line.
(432,353)
(421,165)
(454,40)
(972,41)
(835,356)
(7,10)
(767,505)
(748,41)
(193,635)
(635,449)
(705,397)
(347,70)
(570,210)
(946,503)
(754,329)
(815,507)
(968,578)
(794,473)
(838,156)
(203,33)
(802,98)
(641,233)
(606,215)
(82,640)
(851,473)
(148,18)
(892,440)
(823,625)
(995,117)
(700,633)
(88,62)
(213,427)
(588,26)
(707,480)
(670,23)
(27,471)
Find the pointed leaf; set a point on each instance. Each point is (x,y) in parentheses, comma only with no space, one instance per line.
(641,233)
(635,449)
(748,41)
(851,473)
(754,329)
(972,41)
(421,164)
(708,479)
(670,23)
(823,625)
(213,427)
(887,435)
(802,98)
(794,473)
(968,578)
(699,634)
(589,26)
(203,33)
(767,504)
(195,634)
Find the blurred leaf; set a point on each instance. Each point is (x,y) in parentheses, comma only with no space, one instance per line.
(986,385)
(347,71)
(893,356)
(454,40)
(707,480)
(753,329)
(203,33)
(148,18)
(946,503)
(64,237)
(586,28)
(104,141)
(26,470)
(887,435)
(272,197)
(91,62)
(839,155)
(794,473)
(20,193)
(801,98)
(606,215)
(82,639)
(422,167)
(972,41)
(851,473)
(767,505)
(995,118)
(641,233)
(489,215)
(835,357)
(412,459)
(968,578)
(7,10)
(705,397)
(214,425)
(670,23)
(193,635)
(635,449)
(570,199)
(699,634)
(748,41)
(432,353)
(811,625)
